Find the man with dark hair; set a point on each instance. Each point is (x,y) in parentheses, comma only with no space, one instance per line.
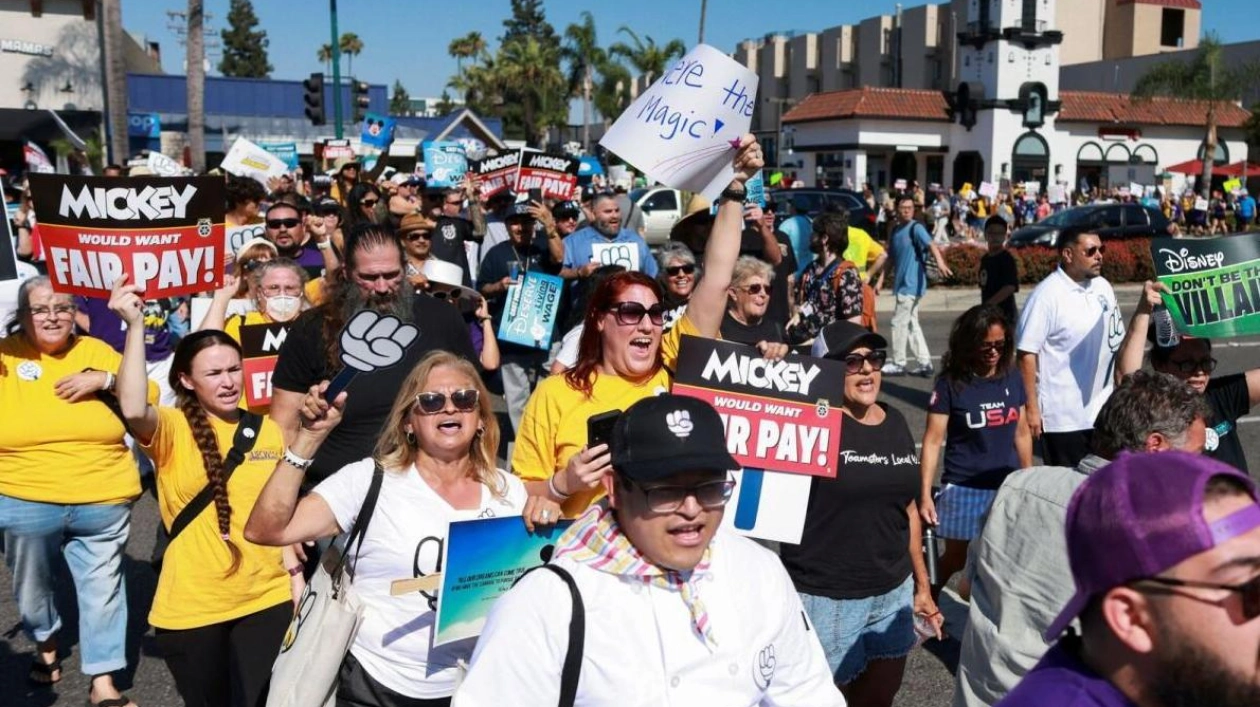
(911,244)
(285,227)
(1018,567)
(1067,341)
(830,288)
(374,278)
(112,170)
(667,599)
(1163,550)
(999,274)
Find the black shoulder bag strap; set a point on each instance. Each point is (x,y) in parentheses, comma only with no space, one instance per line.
(243,441)
(361,521)
(577,636)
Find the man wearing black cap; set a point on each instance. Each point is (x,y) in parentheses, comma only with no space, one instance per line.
(674,611)
(286,229)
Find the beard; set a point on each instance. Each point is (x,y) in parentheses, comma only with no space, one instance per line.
(607,229)
(354,300)
(1188,675)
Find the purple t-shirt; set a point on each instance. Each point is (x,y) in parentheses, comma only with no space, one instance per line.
(1062,680)
(311,260)
(109,327)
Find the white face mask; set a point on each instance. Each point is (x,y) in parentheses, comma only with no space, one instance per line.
(283,307)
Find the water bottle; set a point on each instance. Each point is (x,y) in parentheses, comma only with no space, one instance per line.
(929,554)
(1166,334)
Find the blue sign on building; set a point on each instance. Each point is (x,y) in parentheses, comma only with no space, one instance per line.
(143,125)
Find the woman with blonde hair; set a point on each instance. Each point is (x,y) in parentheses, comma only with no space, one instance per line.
(748,299)
(437,461)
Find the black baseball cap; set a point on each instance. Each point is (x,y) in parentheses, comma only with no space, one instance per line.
(665,435)
(840,337)
(566,208)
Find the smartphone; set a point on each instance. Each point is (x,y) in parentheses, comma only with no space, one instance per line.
(535,195)
(599,428)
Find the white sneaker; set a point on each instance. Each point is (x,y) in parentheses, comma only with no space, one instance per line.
(892,369)
(924,371)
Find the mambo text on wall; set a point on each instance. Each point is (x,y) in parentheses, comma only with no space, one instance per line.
(779,415)
(166,233)
(1213,285)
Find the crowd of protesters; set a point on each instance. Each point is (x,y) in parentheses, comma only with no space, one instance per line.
(670,609)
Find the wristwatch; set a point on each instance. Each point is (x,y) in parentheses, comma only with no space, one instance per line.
(733,194)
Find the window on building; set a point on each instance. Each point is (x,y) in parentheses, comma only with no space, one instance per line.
(1172,27)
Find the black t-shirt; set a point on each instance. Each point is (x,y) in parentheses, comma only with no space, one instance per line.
(449,237)
(997,270)
(856,542)
(301,364)
(497,265)
(751,243)
(1229,399)
(740,333)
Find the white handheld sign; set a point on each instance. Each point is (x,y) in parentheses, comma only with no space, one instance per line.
(246,159)
(370,341)
(684,130)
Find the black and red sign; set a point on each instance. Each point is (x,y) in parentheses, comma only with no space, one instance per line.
(260,346)
(496,174)
(555,175)
(779,415)
(165,232)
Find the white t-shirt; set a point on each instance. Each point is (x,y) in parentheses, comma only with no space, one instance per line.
(1075,329)
(9,293)
(404,540)
(640,648)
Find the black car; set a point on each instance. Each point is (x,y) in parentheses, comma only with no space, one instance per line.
(1109,221)
(811,202)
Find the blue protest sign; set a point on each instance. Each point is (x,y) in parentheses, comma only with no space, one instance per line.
(529,316)
(756,189)
(378,131)
(286,151)
(445,163)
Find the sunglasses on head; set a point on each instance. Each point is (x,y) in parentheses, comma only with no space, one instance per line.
(1250,591)
(278,223)
(675,270)
(855,362)
(756,288)
(631,313)
(431,403)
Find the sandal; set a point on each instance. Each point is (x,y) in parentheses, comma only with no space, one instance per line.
(120,701)
(42,673)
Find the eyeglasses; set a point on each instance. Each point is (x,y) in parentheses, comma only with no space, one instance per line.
(58,311)
(1207,365)
(631,313)
(676,270)
(432,403)
(272,290)
(853,363)
(369,203)
(276,224)
(415,235)
(667,499)
(1095,250)
(756,288)
(1250,591)
(992,346)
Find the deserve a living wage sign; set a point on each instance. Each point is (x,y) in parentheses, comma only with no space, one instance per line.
(529,315)
(1213,283)
(260,347)
(165,232)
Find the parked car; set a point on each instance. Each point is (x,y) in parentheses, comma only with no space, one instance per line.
(1109,221)
(811,202)
(661,207)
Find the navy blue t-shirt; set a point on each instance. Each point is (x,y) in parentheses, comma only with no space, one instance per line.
(980,436)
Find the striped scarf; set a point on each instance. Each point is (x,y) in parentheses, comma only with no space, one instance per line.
(595,540)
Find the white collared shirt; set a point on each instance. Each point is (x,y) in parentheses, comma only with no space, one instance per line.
(641,648)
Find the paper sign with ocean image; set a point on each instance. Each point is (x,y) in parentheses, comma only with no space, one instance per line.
(529,316)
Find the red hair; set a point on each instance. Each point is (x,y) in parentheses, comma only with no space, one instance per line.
(590,352)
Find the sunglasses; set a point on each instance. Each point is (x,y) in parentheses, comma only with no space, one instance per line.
(416,235)
(1095,250)
(853,363)
(992,346)
(276,224)
(1249,590)
(445,294)
(756,288)
(675,270)
(1207,365)
(369,202)
(631,313)
(432,403)
(667,499)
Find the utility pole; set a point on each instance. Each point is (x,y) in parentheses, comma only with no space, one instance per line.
(336,67)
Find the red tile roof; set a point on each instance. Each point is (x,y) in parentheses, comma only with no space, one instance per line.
(1095,107)
(871,102)
(1187,4)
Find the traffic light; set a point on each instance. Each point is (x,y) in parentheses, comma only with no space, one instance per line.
(314,98)
(361,101)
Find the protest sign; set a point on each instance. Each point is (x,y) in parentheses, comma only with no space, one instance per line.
(481,559)
(1232,185)
(683,130)
(445,163)
(377,132)
(165,232)
(1057,194)
(555,175)
(624,254)
(237,236)
(768,505)
(36,160)
(8,254)
(988,190)
(1200,204)
(333,150)
(163,166)
(756,189)
(529,315)
(1213,283)
(286,152)
(1136,189)
(899,185)
(246,159)
(779,415)
(1033,188)
(496,174)
(260,346)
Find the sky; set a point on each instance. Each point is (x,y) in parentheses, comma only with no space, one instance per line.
(407,39)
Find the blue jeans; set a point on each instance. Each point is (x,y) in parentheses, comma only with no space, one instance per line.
(92,538)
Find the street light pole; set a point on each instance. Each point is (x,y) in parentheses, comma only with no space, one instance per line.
(704,5)
(336,67)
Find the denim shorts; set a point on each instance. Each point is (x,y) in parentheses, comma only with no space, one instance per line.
(854,632)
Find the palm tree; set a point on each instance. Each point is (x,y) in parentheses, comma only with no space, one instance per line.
(646,56)
(1206,78)
(197,86)
(325,55)
(612,93)
(115,79)
(470,46)
(351,46)
(533,70)
(583,54)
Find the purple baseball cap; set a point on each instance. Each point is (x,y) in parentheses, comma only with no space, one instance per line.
(1139,516)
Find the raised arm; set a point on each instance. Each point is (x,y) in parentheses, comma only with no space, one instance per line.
(708,300)
(1134,345)
(216,315)
(133,381)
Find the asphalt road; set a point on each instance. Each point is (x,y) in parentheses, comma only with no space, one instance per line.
(929,675)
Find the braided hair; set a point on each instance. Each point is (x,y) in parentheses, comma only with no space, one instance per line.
(203,433)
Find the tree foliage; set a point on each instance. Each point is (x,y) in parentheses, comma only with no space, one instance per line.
(400,101)
(645,55)
(351,46)
(244,49)
(325,56)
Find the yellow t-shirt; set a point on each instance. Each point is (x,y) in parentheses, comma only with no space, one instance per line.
(862,251)
(194,588)
(232,327)
(314,290)
(53,451)
(553,426)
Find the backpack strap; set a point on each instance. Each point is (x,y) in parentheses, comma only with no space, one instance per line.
(577,636)
(243,441)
